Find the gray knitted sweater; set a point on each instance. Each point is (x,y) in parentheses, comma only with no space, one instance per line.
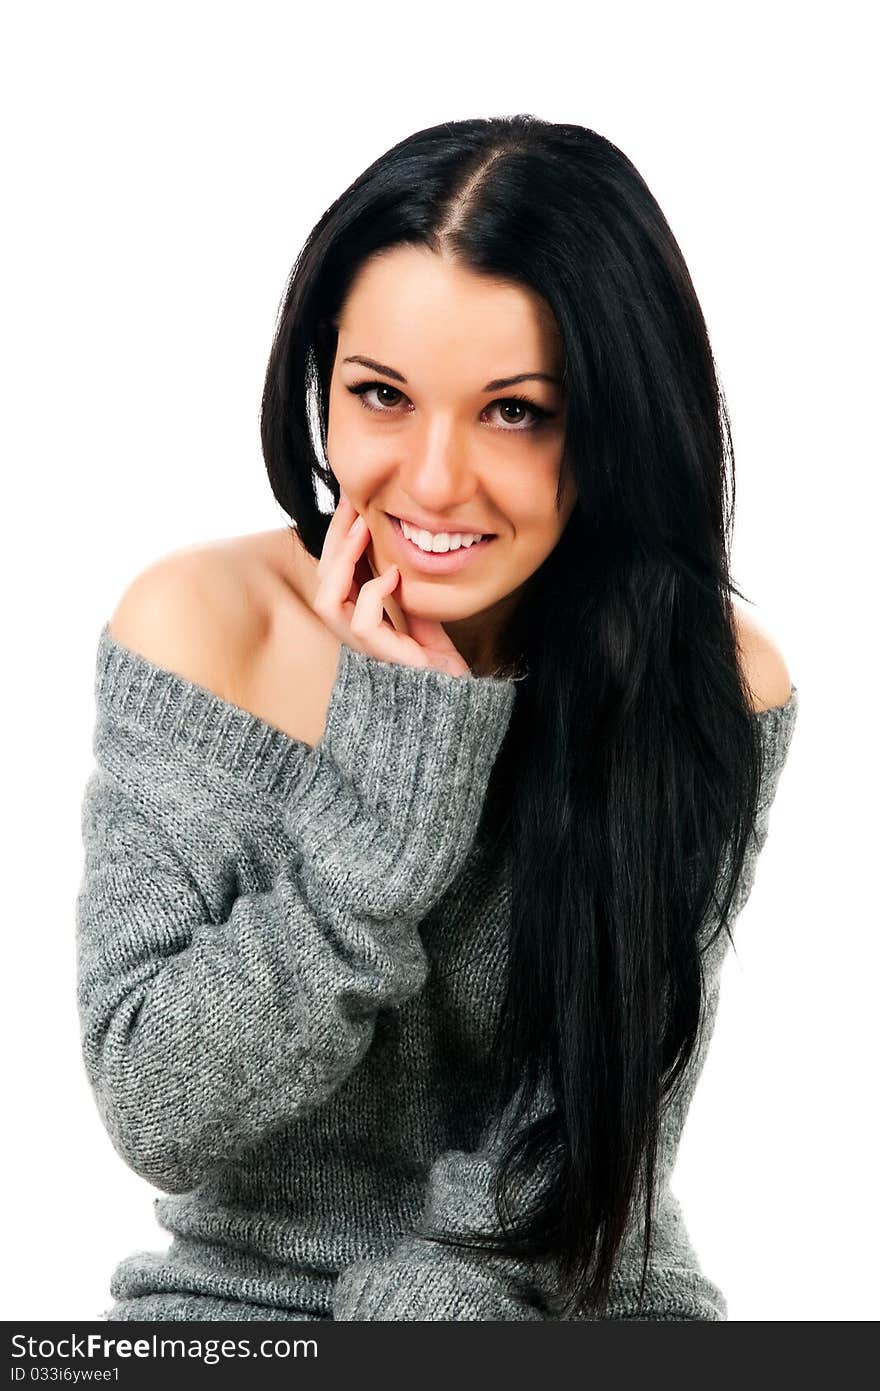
(288,965)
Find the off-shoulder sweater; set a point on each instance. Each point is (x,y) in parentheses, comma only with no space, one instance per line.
(289,960)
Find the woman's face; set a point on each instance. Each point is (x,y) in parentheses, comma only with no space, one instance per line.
(432,435)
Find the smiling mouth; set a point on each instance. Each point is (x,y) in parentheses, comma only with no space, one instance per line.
(448,561)
(448,531)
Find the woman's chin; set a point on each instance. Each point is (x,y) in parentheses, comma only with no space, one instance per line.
(414,603)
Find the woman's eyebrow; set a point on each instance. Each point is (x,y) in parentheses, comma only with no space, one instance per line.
(495,385)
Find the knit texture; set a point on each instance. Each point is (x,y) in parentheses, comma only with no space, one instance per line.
(289,965)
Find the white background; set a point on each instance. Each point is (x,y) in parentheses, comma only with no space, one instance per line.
(162,165)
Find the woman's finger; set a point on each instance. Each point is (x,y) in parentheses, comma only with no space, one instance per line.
(336,570)
(353,605)
(369,620)
(337,530)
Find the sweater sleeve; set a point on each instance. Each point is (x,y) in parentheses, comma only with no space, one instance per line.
(419,1280)
(201,1036)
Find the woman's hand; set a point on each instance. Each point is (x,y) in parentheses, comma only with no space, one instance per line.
(352,606)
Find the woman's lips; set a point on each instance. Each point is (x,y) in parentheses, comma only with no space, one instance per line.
(435,562)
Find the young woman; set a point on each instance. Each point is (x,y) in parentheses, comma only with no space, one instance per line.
(416,833)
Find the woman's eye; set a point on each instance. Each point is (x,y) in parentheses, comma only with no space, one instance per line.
(515,405)
(367,387)
(536,413)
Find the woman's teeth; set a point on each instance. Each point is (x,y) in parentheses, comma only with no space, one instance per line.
(440,540)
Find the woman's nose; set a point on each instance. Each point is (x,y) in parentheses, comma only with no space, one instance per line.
(439,474)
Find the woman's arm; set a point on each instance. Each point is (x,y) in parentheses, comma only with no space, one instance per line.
(420,1280)
(201,1036)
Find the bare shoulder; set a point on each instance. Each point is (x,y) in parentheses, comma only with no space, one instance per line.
(235,617)
(196,612)
(763,664)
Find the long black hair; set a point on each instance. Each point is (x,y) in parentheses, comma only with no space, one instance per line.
(628,783)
